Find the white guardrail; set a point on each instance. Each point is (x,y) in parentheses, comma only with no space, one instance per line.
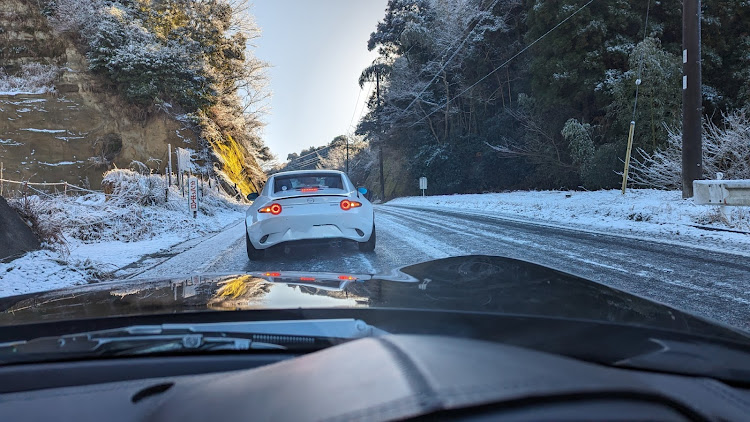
(722,192)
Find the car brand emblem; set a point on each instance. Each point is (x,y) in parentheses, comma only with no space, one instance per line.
(310,200)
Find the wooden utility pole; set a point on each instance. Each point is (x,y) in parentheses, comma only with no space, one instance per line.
(692,144)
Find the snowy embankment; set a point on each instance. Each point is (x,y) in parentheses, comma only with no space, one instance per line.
(653,214)
(99,234)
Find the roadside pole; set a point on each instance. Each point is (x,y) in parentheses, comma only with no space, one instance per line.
(692,110)
(193,195)
(2,167)
(166,190)
(169,172)
(627,157)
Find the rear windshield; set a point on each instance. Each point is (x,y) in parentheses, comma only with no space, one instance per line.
(310,181)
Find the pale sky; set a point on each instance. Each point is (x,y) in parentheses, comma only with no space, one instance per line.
(317,49)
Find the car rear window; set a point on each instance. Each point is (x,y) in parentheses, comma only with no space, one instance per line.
(311,181)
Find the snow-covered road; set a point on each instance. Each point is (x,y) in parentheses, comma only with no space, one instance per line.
(709,283)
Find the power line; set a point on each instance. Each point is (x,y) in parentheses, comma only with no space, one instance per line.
(314,152)
(356,106)
(449,100)
(447,61)
(352,127)
(365,105)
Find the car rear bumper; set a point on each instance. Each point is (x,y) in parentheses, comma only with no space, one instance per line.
(271,231)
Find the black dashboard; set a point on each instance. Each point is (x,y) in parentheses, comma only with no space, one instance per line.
(392,377)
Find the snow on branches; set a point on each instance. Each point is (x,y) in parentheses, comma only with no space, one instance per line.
(726,149)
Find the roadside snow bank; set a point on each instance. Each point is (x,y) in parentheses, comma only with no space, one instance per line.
(654,213)
(105,232)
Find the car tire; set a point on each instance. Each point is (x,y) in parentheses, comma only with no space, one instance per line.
(368,246)
(252,253)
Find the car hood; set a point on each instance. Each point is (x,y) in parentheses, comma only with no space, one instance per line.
(468,283)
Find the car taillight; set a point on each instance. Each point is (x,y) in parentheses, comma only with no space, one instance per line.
(274,209)
(273,274)
(346,204)
(347,277)
(307,278)
(309,189)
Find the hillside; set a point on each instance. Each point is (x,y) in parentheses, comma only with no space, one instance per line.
(63,120)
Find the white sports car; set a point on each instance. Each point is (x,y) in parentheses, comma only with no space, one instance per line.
(313,206)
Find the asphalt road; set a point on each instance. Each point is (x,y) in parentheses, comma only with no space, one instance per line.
(708,283)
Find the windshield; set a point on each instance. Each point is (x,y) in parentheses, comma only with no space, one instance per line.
(307,182)
(575,159)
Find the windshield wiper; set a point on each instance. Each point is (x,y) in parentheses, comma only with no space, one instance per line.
(298,335)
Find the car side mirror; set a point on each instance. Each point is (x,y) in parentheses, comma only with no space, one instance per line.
(252,196)
(362,190)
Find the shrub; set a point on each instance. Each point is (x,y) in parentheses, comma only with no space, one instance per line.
(726,149)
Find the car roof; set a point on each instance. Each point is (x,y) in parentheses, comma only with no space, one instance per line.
(298,172)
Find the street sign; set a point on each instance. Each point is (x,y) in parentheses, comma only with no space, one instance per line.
(193,196)
(423,184)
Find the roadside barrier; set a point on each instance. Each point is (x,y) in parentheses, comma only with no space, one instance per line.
(722,193)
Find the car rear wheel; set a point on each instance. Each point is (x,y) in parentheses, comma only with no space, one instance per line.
(252,253)
(368,246)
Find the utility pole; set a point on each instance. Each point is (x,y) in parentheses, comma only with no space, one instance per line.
(380,140)
(347,155)
(692,144)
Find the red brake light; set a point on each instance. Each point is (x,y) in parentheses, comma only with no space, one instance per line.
(347,277)
(274,209)
(273,274)
(307,278)
(309,189)
(346,204)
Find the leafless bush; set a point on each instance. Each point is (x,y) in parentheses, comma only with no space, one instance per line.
(33,213)
(34,78)
(726,149)
(134,187)
(76,16)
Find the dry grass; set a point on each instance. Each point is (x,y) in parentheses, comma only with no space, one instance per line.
(33,214)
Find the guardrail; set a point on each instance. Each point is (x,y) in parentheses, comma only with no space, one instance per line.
(722,192)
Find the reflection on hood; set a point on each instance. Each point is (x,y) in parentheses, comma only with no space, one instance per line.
(470,283)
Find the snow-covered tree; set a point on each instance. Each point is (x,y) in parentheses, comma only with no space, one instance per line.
(186,57)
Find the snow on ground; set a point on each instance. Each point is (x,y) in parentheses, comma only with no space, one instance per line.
(652,213)
(103,234)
